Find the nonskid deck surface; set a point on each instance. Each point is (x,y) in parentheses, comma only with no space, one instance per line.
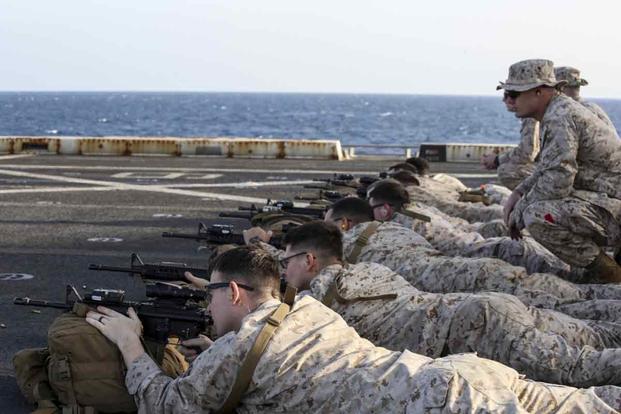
(58,214)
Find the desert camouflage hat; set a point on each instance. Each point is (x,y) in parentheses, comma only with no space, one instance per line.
(529,74)
(571,75)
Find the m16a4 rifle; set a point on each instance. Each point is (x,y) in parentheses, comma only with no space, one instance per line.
(345,180)
(328,195)
(169,311)
(223,234)
(284,206)
(164,271)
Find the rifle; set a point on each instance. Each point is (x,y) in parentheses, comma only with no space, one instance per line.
(223,234)
(216,234)
(322,195)
(170,311)
(284,206)
(167,271)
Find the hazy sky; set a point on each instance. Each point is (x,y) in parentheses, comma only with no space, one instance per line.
(425,47)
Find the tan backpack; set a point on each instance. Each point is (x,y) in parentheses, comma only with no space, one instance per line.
(84,370)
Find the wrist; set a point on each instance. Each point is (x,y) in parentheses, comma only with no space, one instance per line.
(131,348)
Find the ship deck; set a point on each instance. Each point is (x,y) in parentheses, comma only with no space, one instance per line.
(58,214)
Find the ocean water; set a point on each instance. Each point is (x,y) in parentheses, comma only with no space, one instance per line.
(354,119)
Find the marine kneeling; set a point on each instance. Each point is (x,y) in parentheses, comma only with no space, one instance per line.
(314,362)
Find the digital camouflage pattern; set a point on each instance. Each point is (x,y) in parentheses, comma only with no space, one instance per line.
(471,212)
(430,271)
(454,240)
(573,198)
(529,74)
(517,164)
(542,344)
(316,363)
(573,78)
(598,111)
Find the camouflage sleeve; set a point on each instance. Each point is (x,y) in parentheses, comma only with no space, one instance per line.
(203,387)
(525,152)
(557,167)
(597,110)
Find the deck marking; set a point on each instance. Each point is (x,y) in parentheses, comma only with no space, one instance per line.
(180,169)
(15,277)
(105,239)
(245,184)
(10,157)
(147,188)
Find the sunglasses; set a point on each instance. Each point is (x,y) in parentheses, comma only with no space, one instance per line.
(512,94)
(219,285)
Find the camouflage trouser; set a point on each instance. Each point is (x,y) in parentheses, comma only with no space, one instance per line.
(429,271)
(544,345)
(471,212)
(510,175)
(453,241)
(526,253)
(572,229)
(597,309)
(494,228)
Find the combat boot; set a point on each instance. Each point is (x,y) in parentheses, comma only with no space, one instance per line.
(603,270)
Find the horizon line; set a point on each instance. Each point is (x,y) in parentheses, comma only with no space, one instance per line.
(491,95)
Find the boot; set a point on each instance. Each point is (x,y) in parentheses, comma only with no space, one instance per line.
(603,270)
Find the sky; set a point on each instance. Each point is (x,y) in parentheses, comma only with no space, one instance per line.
(407,47)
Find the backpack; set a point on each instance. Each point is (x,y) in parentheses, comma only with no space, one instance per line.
(83,370)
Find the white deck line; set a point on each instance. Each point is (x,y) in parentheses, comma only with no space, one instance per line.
(233,170)
(148,188)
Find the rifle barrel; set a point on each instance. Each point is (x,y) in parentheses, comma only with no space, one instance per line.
(182,235)
(43,303)
(112,268)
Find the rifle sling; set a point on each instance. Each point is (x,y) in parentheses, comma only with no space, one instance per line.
(244,375)
(362,241)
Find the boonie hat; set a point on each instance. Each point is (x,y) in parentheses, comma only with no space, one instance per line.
(529,74)
(571,75)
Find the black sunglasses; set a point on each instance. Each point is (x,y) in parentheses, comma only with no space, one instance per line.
(219,285)
(512,94)
(284,262)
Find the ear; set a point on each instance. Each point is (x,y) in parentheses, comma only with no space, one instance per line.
(311,261)
(234,293)
(345,224)
(386,211)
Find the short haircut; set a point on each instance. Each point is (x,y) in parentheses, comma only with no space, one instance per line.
(324,238)
(390,191)
(353,208)
(421,164)
(405,177)
(250,264)
(403,166)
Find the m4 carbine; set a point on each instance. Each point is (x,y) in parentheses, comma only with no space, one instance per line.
(285,206)
(170,311)
(223,234)
(165,271)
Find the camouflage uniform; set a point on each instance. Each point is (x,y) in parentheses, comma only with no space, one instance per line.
(542,344)
(573,78)
(316,363)
(598,111)
(451,240)
(517,164)
(397,247)
(471,212)
(572,202)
